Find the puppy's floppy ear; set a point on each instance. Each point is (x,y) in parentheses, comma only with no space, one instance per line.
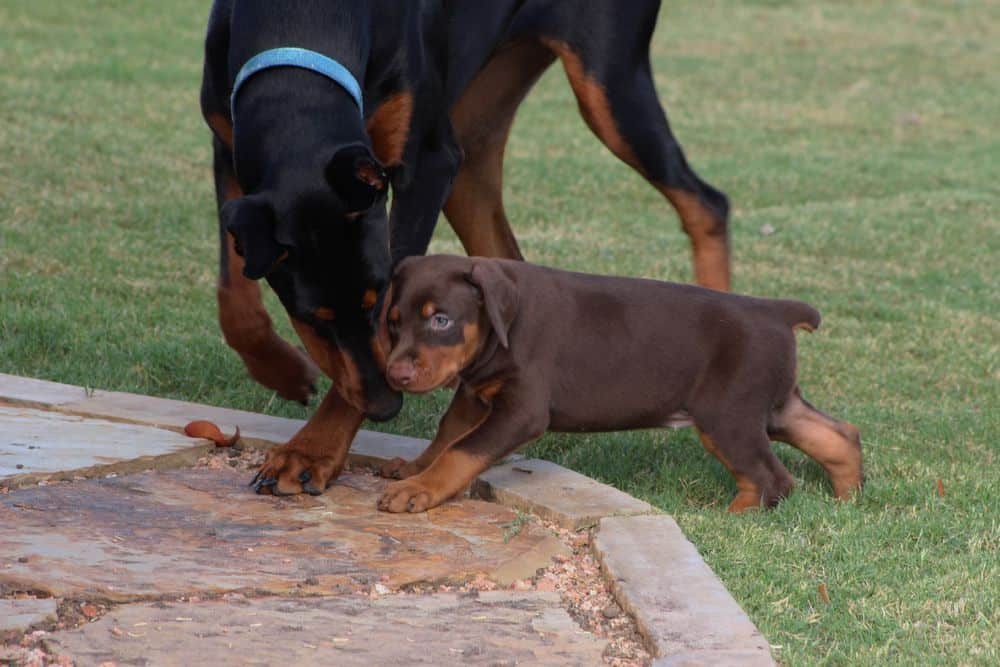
(356,177)
(499,296)
(251,222)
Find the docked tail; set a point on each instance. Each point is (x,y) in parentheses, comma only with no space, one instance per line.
(798,314)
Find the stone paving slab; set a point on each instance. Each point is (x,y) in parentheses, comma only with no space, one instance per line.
(680,606)
(38,443)
(501,628)
(180,532)
(555,493)
(20,614)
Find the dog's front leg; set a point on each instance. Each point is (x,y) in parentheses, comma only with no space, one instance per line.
(511,422)
(314,457)
(466,412)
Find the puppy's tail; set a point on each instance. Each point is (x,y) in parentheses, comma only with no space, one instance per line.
(798,315)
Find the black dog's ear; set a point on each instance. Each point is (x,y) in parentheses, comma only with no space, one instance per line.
(499,296)
(251,222)
(357,177)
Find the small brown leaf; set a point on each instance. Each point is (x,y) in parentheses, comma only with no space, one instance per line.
(89,610)
(823,594)
(940,488)
(209,431)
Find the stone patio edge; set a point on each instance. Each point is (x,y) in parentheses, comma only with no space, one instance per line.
(371,447)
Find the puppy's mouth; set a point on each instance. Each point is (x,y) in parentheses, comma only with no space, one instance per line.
(417,387)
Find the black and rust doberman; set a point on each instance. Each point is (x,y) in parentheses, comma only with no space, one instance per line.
(538,349)
(338,102)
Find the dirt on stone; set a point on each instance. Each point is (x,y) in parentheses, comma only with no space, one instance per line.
(576,577)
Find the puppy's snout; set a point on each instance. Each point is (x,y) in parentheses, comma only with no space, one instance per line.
(401,372)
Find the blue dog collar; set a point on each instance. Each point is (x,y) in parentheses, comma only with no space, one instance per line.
(304,58)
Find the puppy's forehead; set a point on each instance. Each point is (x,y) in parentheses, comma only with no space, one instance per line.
(430,278)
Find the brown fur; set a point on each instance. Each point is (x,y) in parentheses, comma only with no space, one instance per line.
(554,350)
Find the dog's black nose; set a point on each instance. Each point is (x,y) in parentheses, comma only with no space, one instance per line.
(385,407)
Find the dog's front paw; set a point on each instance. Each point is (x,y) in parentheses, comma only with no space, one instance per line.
(408,496)
(288,470)
(398,468)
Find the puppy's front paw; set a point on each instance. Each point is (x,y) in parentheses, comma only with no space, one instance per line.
(408,496)
(398,468)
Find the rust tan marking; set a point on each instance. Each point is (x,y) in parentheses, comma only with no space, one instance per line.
(232,189)
(369,299)
(320,447)
(748,495)
(450,472)
(324,313)
(594,105)
(804,326)
(335,363)
(381,343)
(834,444)
(482,120)
(372,176)
(463,418)
(437,365)
(394,314)
(222,128)
(247,329)
(488,391)
(428,309)
(710,250)
(389,128)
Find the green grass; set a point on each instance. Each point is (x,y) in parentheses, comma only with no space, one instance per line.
(865,133)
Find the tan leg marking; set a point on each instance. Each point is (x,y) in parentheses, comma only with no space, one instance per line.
(464,415)
(247,328)
(482,119)
(710,249)
(451,472)
(335,363)
(319,449)
(748,494)
(222,128)
(834,444)
(389,128)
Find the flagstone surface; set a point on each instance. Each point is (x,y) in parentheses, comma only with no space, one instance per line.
(497,628)
(200,530)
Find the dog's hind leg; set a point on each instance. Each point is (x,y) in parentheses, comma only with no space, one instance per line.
(246,326)
(482,119)
(834,444)
(618,100)
(761,479)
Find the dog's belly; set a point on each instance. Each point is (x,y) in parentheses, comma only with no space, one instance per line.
(609,413)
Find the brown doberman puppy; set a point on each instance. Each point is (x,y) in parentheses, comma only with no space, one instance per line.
(536,349)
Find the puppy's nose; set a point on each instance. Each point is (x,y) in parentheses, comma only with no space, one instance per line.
(401,372)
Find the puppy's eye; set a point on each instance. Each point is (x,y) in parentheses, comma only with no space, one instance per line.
(440,322)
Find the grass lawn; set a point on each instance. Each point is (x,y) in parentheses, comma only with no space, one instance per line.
(864,133)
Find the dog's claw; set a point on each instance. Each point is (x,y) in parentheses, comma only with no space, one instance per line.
(265,483)
(255,478)
(311,489)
